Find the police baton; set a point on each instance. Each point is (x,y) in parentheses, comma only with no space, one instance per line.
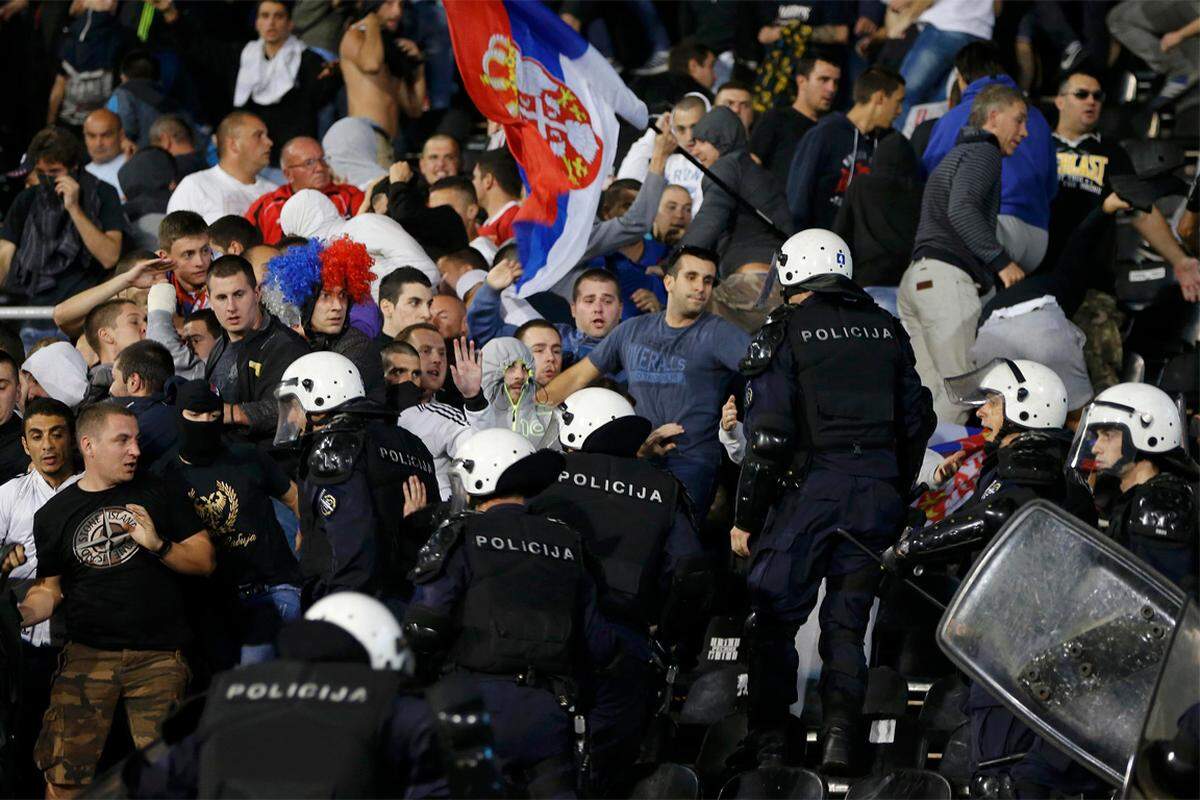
(879,560)
(741,201)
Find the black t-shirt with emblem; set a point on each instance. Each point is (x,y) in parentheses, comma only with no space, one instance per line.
(117,595)
(1085,172)
(233,495)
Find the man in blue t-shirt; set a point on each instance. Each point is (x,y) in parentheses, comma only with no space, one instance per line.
(679,363)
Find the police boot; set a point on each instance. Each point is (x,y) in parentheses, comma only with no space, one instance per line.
(992,786)
(764,747)
(839,744)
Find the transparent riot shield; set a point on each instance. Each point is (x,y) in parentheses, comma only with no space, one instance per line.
(1165,762)
(1069,630)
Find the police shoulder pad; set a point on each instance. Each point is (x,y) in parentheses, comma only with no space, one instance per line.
(431,558)
(766,341)
(1164,508)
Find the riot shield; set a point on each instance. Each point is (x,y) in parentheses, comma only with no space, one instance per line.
(1165,762)
(1066,628)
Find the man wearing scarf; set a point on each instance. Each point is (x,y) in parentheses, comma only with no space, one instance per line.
(278,79)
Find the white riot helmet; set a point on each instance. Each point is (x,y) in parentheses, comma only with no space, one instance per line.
(371,624)
(1144,417)
(487,463)
(1034,396)
(587,410)
(314,384)
(810,253)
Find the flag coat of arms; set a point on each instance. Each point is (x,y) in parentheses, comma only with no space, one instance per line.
(558,100)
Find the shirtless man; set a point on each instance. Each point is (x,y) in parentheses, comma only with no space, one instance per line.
(372,90)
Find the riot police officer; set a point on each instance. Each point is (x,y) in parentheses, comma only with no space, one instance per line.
(356,467)
(1022,406)
(837,421)
(504,594)
(1133,433)
(329,719)
(636,524)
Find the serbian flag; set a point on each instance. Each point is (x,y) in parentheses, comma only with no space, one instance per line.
(937,504)
(558,101)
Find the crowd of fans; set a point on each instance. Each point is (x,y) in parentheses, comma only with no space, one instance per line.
(187,151)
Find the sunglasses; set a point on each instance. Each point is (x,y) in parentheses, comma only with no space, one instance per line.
(1084,94)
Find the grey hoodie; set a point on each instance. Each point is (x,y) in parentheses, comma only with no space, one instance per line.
(536,421)
(737,234)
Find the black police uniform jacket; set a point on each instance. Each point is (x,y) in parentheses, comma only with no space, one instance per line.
(624,509)
(295,729)
(1158,521)
(842,368)
(355,534)
(518,602)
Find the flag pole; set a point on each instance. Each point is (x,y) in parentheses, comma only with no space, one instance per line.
(743,202)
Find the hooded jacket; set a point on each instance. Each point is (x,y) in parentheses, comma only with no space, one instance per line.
(880,212)
(722,224)
(829,158)
(61,371)
(959,209)
(535,421)
(1029,178)
(147,179)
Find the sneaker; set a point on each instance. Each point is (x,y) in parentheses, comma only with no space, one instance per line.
(655,66)
(1172,90)
(1072,56)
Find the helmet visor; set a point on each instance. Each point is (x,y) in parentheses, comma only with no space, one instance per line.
(1102,445)
(971,389)
(460,498)
(292,421)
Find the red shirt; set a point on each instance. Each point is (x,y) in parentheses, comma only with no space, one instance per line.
(500,229)
(264,212)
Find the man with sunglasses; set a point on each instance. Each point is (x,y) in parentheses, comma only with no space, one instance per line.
(1087,163)
(304,166)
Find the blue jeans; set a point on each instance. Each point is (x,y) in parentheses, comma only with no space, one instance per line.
(699,478)
(266,612)
(927,64)
(36,330)
(433,35)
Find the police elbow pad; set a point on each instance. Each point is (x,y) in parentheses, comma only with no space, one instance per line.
(770,452)
(426,630)
(957,535)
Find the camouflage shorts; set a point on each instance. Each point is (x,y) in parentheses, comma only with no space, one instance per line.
(83,701)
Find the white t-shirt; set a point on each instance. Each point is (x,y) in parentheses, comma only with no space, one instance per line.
(678,170)
(20,499)
(974,17)
(107,172)
(213,193)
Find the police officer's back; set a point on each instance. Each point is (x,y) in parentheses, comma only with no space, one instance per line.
(329,719)
(836,424)
(355,466)
(636,524)
(504,594)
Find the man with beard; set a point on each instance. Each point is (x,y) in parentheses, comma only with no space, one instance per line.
(679,363)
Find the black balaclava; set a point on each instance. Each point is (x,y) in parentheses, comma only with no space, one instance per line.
(405,394)
(199,442)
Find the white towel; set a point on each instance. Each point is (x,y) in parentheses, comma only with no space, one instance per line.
(267,80)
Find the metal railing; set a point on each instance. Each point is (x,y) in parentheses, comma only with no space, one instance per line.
(26,312)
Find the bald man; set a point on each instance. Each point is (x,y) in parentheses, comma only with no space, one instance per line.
(103,136)
(305,167)
(243,149)
(449,314)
